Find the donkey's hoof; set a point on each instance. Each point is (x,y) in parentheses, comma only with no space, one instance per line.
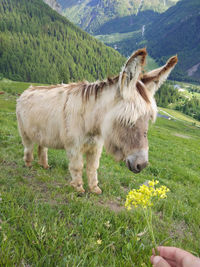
(44,165)
(47,167)
(28,164)
(78,188)
(96,190)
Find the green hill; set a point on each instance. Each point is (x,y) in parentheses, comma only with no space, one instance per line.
(43,222)
(92,14)
(39,45)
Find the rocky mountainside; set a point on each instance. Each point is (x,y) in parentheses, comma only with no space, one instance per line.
(91,14)
(54,4)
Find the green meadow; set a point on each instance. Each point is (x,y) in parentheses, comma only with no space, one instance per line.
(44,222)
(116,37)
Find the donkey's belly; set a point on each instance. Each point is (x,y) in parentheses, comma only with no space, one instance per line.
(47,138)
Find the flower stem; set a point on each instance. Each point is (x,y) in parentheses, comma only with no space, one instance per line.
(148,217)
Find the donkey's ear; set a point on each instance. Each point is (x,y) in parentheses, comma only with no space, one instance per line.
(154,79)
(131,72)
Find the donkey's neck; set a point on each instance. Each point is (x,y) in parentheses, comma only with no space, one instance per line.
(107,99)
(96,110)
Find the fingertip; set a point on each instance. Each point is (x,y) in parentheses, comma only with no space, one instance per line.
(151,258)
(159,262)
(156,260)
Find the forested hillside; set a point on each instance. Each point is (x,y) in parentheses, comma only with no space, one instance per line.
(167,95)
(39,45)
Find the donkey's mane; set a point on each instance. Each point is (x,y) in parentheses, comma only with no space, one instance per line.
(89,89)
(93,89)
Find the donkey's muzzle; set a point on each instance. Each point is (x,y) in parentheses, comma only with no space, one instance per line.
(137,161)
(136,168)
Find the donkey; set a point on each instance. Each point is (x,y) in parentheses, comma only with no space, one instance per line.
(82,117)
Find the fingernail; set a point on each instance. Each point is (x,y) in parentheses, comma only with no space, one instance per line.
(156,259)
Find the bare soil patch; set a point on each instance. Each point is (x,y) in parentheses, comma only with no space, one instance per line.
(179,230)
(112,205)
(182,136)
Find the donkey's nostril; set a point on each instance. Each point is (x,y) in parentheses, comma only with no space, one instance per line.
(139,167)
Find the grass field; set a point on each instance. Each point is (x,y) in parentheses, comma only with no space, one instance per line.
(43,222)
(179,116)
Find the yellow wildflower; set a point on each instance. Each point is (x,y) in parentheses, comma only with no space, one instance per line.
(161,191)
(145,195)
(99,241)
(153,183)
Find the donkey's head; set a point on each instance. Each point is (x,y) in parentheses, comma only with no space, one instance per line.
(126,124)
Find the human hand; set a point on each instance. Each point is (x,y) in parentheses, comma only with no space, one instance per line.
(174,257)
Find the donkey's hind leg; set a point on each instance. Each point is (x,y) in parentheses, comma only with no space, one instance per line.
(43,156)
(28,151)
(28,144)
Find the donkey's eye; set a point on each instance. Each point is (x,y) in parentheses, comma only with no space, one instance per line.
(145,134)
(116,149)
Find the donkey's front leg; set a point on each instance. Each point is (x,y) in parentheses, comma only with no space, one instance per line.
(92,156)
(76,168)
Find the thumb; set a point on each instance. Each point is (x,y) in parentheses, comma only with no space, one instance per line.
(159,262)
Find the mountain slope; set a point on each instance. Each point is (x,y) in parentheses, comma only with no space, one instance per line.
(91,14)
(128,23)
(177,31)
(39,45)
